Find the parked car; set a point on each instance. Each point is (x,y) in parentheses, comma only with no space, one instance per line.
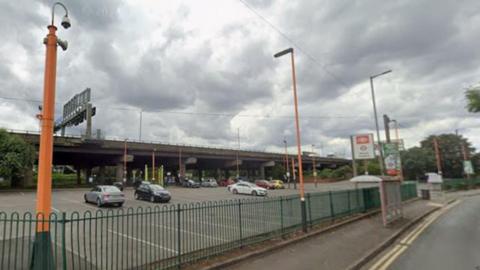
(277,184)
(190,184)
(153,193)
(105,195)
(209,182)
(264,184)
(225,182)
(119,185)
(247,188)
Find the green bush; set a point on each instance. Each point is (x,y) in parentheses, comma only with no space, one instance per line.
(326,173)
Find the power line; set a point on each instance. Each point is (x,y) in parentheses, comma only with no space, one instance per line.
(295,44)
(209,113)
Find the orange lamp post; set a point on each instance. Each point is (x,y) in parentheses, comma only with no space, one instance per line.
(42,250)
(297,126)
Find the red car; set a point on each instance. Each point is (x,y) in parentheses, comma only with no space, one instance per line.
(225,182)
(264,184)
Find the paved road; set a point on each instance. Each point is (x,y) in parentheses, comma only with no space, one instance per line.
(451,242)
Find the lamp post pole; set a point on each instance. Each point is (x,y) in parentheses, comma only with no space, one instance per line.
(314,167)
(153,165)
(238,150)
(287,170)
(125,162)
(297,128)
(381,161)
(42,249)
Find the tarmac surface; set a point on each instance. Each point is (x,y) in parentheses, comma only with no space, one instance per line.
(69,200)
(451,242)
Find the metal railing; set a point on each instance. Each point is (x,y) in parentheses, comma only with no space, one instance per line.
(168,236)
(460,184)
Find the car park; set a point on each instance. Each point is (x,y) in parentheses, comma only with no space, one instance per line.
(152,193)
(247,188)
(209,182)
(189,183)
(277,184)
(105,195)
(264,184)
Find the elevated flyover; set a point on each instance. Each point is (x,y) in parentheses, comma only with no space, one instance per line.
(86,154)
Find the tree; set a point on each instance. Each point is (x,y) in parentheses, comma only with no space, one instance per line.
(450,148)
(473,99)
(16,158)
(373,167)
(417,161)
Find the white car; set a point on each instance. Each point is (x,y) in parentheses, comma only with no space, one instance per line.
(247,188)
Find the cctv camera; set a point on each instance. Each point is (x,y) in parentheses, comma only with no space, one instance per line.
(66,22)
(63,44)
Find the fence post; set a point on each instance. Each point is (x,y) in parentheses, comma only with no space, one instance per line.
(281,216)
(309,205)
(357,200)
(64,244)
(349,203)
(240,222)
(179,248)
(332,212)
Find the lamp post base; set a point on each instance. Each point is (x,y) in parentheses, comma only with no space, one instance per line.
(42,255)
(303,207)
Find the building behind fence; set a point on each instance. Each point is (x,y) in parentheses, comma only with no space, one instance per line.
(167,236)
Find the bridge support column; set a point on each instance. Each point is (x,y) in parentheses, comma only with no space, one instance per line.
(263,165)
(119,172)
(88,174)
(79,175)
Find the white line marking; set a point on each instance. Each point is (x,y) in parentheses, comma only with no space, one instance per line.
(55,210)
(190,232)
(143,241)
(385,262)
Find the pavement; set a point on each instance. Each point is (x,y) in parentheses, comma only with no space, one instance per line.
(448,240)
(339,248)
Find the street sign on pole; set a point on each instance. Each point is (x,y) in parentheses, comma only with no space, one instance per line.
(467,167)
(392,158)
(363,146)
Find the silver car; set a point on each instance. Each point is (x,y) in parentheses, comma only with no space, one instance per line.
(209,182)
(103,195)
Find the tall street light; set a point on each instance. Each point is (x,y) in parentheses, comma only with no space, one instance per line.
(381,161)
(287,170)
(42,250)
(297,126)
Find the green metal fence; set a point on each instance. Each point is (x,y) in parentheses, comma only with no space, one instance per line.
(167,236)
(460,184)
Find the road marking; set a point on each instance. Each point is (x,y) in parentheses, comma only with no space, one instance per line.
(55,210)
(190,232)
(385,262)
(143,241)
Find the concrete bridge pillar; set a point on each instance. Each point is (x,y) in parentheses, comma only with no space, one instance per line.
(119,172)
(263,165)
(78,170)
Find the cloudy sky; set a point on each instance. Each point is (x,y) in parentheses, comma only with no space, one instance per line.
(200,70)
